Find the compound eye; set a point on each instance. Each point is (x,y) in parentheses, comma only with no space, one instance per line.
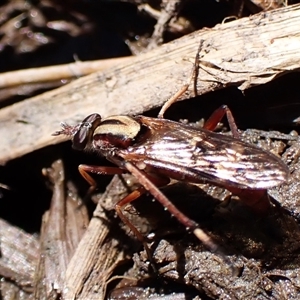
(84,134)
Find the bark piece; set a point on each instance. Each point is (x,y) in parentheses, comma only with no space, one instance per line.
(19,255)
(62,229)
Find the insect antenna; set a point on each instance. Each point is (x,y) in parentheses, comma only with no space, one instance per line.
(67,130)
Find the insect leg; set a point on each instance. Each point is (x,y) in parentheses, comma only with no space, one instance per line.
(100,170)
(257,200)
(217,116)
(179,93)
(118,207)
(182,218)
(156,181)
(84,171)
(172,100)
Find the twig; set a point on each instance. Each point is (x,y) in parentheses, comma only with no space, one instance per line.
(53,73)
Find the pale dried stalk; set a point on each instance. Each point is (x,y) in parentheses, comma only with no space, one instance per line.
(59,72)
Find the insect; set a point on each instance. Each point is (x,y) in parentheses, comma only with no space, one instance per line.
(156,149)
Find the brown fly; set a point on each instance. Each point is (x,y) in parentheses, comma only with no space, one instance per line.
(155,150)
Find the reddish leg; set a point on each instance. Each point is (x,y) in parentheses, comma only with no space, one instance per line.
(118,207)
(182,218)
(149,183)
(175,97)
(100,170)
(172,100)
(257,200)
(84,170)
(217,116)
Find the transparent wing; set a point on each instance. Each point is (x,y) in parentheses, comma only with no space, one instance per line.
(185,153)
